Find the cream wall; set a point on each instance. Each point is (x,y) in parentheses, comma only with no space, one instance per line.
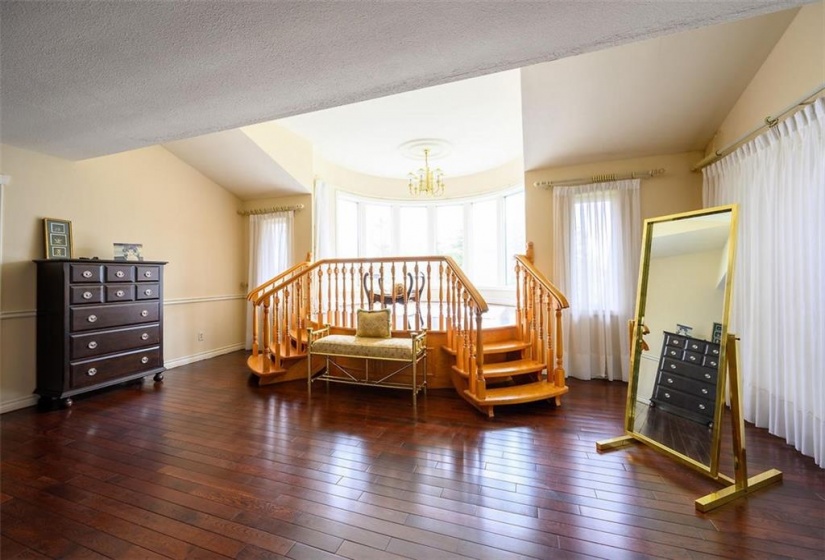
(508,175)
(793,70)
(144,196)
(678,190)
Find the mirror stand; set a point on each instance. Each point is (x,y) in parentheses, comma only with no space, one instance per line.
(740,485)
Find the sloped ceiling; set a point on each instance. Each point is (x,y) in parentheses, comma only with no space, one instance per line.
(86,78)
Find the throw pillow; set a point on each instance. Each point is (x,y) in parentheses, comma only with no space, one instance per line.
(373,323)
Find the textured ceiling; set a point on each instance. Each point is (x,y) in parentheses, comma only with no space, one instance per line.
(87,78)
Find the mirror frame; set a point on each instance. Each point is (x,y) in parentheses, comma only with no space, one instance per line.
(636,340)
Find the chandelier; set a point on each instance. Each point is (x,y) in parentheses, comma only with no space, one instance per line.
(425,180)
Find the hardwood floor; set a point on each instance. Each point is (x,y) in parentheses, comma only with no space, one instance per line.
(206,466)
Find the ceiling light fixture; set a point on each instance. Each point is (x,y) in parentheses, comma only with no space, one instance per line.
(426,181)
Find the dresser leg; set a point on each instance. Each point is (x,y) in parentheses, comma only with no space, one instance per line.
(67,402)
(158,377)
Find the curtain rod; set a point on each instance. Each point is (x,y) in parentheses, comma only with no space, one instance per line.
(271,210)
(770,122)
(603,178)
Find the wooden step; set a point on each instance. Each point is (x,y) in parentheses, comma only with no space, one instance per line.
(261,365)
(504,346)
(516,394)
(294,354)
(507,369)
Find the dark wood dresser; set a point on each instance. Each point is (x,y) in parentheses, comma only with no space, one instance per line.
(687,378)
(99,323)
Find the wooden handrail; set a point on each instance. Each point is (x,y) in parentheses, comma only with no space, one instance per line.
(542,279)
(251,295)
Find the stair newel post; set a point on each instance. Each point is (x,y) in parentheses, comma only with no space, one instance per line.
(543,320)
(320,289)
(255,317)
(267,358)
(481,388)
(558,373)
(450,319)
(441,281)
(548,342)
(519,310)
(466,343)
(286,321)
(276,329)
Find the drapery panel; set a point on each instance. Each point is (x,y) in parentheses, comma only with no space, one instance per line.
(597,241)
(270,252)
(778,180)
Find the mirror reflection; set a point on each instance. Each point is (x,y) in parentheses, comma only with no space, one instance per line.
(682,303)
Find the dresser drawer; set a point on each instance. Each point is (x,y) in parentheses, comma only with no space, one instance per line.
(92,372)
(111,341)
(692,357)
(711,361)
(90,317)
(690,403)
(148,290)
(694,345)
(123,292)
(86,294)
(673,352)
(81,273)
(120,273)
(687,385)
(697,372)
(712,349)
(675,340)
(148,273)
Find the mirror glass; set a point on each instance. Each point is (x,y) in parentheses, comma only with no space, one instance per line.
(676,389)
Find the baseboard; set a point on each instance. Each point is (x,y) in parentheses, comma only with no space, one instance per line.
(17,404)
(24,402)
(177,362)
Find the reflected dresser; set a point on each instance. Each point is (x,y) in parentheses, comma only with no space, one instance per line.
(686,382)
(99,323)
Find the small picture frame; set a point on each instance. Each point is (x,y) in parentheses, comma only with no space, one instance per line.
(717,333)
(128,251)
(58,237)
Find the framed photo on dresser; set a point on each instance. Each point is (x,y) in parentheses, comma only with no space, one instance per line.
(58,237)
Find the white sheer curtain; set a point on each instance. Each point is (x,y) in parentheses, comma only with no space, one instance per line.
(270,252)
(597,240)
(323,246)
(778,180)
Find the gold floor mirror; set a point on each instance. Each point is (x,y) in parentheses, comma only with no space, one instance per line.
(683,360)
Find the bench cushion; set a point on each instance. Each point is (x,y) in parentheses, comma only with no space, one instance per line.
(363,347)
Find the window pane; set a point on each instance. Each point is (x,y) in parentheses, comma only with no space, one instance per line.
(450,228)
(484,253)
(377,230)
(414,231)
(346,234)
(514,236)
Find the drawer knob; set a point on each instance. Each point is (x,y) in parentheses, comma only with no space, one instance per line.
(87,274)
(694,346)
(147,291)
(672,366)
(92,371)
(704,391)
(92,318)
(148,274)
(667,395)
(670,380)
(144,313)
(715,352)
(87,295)
(692,358)
(92,345)
(701,407)
(119,293)
(144,336)
(119,274)
(144,360)
(707,376)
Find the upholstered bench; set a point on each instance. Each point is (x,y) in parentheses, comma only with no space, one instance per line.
(372,341)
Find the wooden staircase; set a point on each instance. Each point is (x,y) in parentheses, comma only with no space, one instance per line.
(488,367)
(510,374)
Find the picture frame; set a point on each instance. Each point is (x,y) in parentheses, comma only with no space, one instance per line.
(128,251)
(58,238)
